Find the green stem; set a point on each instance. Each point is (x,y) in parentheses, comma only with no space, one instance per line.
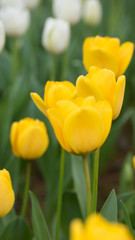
(53,72)
(59,206)
(64,65)
(26,190)
(95,180)
(88,184)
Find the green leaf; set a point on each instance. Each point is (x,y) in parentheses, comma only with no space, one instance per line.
(109,209)
(126,216)
(125,196)
(38,221)
(17,229)
(79,182)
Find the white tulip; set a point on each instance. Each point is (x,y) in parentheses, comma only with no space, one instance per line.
(31,3)
(11,3)
(92,12)
(16,20)
(69,10)
(56,35)
(2,36)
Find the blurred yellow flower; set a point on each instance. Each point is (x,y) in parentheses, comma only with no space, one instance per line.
(106,52)
(96,227)
(29,138)
(101,84)
(54,91)
(134,161)
(81,125)
(7,196)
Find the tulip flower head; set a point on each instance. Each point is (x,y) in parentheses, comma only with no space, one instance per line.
(16,20)
(54,92)
(92,12)
(69,10)
(96,227)
(7,196)
(106,52)
(101,84)
(56,35)
(29,138)
(81,125)
(2,36)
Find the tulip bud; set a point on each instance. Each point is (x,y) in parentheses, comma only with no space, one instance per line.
(16,20)
(7,196)
(29,138)
(92,12)
(31,3)
(56,35)
(69,10)
(2,36)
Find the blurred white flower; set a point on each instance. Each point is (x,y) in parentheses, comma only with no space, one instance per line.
(11,3)
(16,20)
(56,35)
(31,3)
(92,12)
(2,36)
(69,10)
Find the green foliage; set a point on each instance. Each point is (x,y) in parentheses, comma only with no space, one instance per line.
(40,228)
(17,229)
(109,209)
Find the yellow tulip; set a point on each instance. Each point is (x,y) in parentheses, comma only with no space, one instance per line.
(101,84)
(7,196)
(106,52)
(133,161)
(54,91)
(29,138)
(81,125)
(96,227)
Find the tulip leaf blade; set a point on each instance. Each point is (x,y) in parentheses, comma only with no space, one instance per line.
(39,224)
(110,209)
(17,229)
(126,216)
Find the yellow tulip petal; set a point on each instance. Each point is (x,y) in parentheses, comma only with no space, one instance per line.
(105,79)
(89,102)
(87,87)
(100,58)
(92,71)
(39,102)
(97,227)
(119,96)
(64,108)
(55,91)
(13,138)
(32,142)
(125,53)
(56,122)
(106,110)
(7,196)
(83,130)
(76,229)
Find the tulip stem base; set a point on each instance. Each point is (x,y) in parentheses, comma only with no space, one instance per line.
(95,180)
(88,184)
(26,190)
(59,206)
